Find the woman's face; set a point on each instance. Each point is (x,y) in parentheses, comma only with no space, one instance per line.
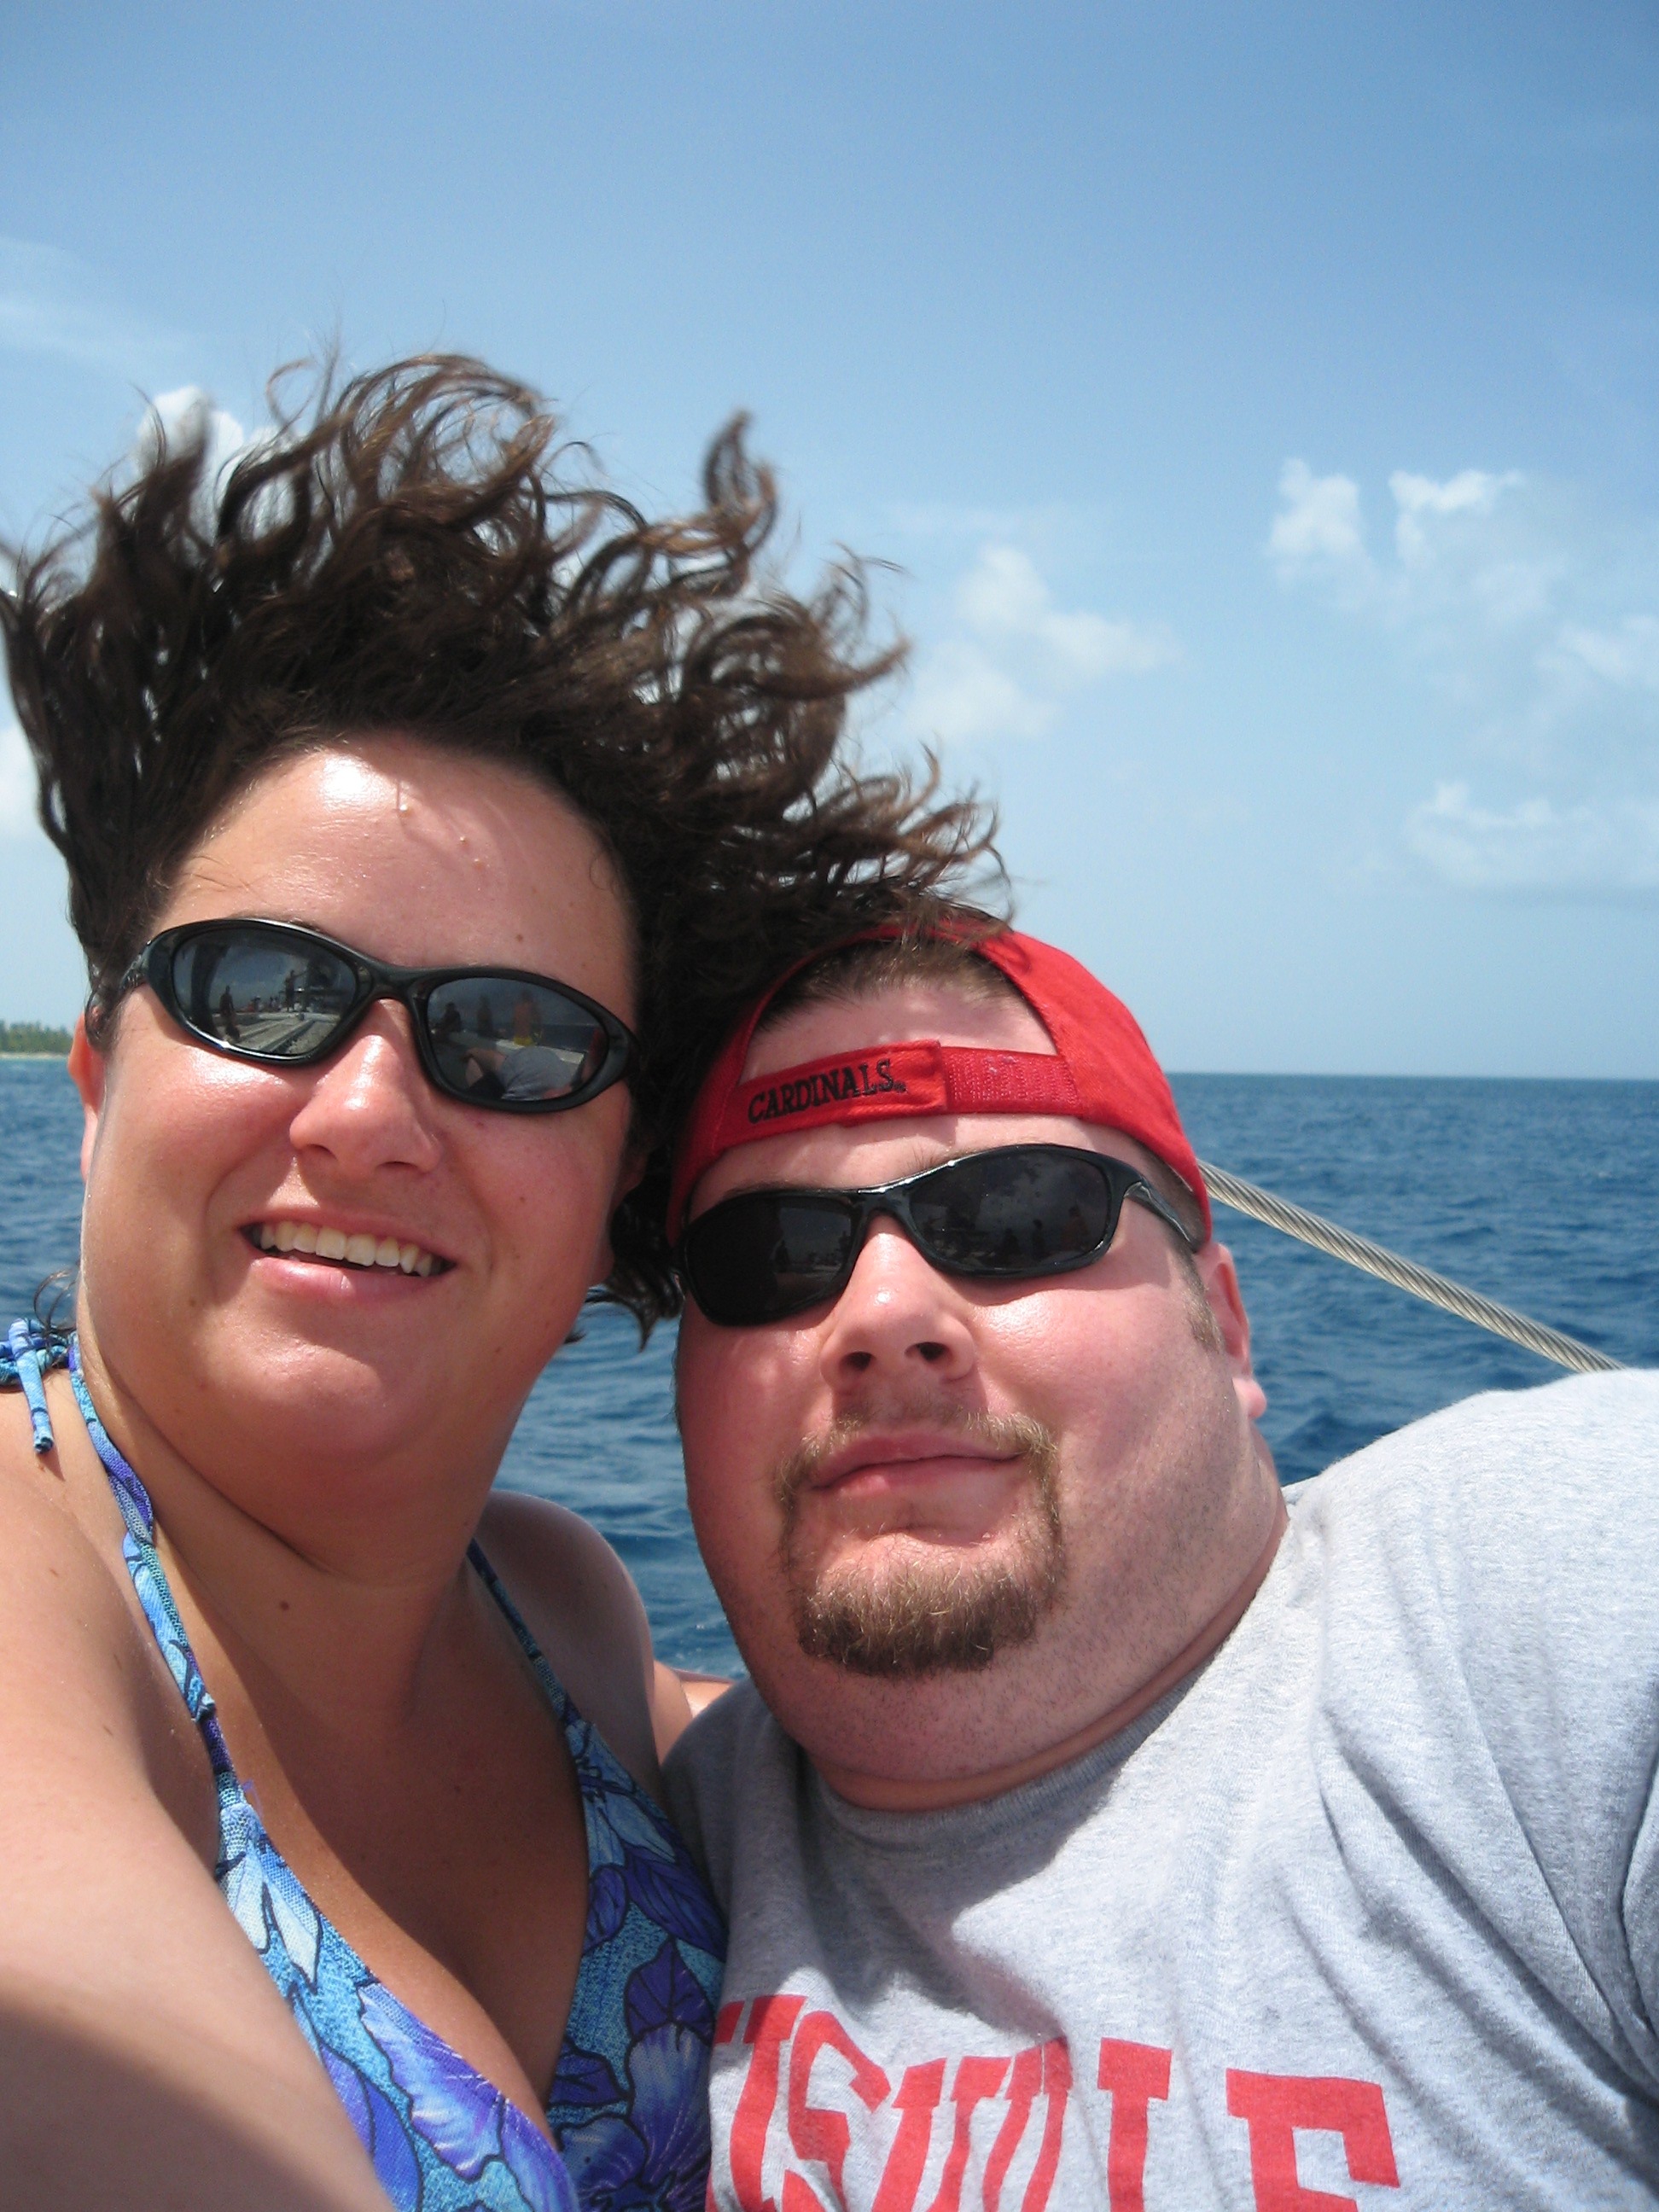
(276,1374)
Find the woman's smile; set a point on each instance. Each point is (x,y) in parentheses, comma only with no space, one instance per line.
(323,1242)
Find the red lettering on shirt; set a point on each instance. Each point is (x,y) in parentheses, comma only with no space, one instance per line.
(778,2031)
(771,2021)
(1274,2106)
(916,2102)
(1056,2087)
(798,2198)
(1133,2074)
(816,2132)
(976,2079)
(1022,2085)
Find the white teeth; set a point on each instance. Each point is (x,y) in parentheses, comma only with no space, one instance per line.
(358,1250)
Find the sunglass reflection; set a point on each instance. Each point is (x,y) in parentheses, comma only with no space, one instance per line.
(287,996)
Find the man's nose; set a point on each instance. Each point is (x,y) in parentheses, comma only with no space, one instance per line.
(371,1105)
(898,1316)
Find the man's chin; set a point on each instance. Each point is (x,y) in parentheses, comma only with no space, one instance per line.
(926,1613)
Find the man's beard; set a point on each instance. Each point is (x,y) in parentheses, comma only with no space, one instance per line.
(916,1617)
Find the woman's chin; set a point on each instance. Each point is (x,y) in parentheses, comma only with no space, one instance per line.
(335,1400)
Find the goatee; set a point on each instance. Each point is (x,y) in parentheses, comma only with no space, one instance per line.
(915,1616)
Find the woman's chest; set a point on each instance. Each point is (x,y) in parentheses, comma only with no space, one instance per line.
(452,1859)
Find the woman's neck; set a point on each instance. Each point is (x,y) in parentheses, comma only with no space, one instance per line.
(337,1610)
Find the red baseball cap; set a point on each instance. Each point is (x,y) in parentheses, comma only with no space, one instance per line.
(1102,1069)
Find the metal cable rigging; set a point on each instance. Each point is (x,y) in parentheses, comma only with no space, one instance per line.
(1422,1282)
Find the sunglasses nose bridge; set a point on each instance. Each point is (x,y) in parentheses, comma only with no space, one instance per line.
(891,1205)
(402,1030)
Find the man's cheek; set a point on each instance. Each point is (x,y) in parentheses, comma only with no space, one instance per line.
(729,1457)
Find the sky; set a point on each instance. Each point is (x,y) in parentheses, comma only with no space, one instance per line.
(1254,414)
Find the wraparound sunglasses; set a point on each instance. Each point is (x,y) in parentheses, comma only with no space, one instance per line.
(1024,1211)
(286,997)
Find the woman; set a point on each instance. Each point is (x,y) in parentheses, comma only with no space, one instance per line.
(425,821)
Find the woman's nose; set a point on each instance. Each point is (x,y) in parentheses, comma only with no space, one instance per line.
(371,1105)
(898,1317)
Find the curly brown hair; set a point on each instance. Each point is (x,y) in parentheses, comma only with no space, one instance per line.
(414,549)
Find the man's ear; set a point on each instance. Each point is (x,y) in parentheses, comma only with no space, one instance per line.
(88,1070)
(1219,1278)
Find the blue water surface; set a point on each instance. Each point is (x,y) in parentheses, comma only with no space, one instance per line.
(1543,1195)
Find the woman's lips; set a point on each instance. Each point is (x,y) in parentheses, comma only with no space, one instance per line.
(335,1246)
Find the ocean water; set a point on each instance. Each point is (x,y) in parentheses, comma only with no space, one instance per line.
(1543,1195)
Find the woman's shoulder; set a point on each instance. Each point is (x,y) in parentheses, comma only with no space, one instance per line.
(579,1603)
(49,1521)
(82,1687)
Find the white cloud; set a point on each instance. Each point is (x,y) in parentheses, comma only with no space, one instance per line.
(1627,656)
(51,304)
(1537,845)
(1531,616)
(1318,531)
(1015,656)
(1462,543)
(1005,596)
(16,782)
(962,696)
(1419,500)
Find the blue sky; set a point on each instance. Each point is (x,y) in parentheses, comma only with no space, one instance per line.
(1259,407)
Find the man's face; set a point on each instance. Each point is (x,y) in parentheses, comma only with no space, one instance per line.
(953,1520)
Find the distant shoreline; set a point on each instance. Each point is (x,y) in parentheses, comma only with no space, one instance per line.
(5,1056)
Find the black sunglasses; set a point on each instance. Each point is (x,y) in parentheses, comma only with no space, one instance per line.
(1025,1211)
(286,997)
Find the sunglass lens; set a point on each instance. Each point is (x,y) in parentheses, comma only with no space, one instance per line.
(764,1255)
(1013,1212)
(500,1040)
(259,991)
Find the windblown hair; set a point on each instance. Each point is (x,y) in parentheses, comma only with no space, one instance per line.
(414,549)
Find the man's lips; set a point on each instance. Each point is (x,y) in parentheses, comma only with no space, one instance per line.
(915,1453)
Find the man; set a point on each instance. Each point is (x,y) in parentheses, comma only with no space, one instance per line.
(1114,1837)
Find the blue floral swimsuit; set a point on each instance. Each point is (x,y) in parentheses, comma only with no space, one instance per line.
(628,2107)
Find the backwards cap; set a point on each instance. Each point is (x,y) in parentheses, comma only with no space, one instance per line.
(1102,1071)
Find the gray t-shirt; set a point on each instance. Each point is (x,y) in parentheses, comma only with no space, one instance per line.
(1366,1912)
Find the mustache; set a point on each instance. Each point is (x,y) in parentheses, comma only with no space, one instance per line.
(1003,1435)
